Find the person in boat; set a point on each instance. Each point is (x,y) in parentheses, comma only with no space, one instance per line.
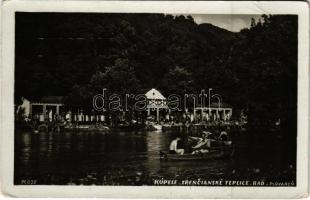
(198,140)
(203,144)
(173,148)
(223,136)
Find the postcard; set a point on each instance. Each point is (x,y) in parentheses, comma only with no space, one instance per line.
(155,99)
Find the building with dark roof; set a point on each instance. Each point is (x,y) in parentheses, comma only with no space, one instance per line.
(45,108)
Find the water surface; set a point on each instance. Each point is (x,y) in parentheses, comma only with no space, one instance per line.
(132,158)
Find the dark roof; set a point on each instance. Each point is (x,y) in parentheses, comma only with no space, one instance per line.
(51,99)
(223,105)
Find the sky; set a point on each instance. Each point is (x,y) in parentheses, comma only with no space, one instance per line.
(229,22)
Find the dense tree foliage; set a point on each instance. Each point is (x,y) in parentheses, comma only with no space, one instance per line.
(76,55)
(263,62)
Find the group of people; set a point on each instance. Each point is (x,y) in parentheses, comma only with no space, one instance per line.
(201,144)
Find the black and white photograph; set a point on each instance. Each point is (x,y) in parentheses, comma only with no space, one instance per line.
(156,99)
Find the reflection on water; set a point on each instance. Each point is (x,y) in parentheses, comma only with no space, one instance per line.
(132,158)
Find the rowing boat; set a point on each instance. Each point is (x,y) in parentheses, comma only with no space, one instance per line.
(213,153)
